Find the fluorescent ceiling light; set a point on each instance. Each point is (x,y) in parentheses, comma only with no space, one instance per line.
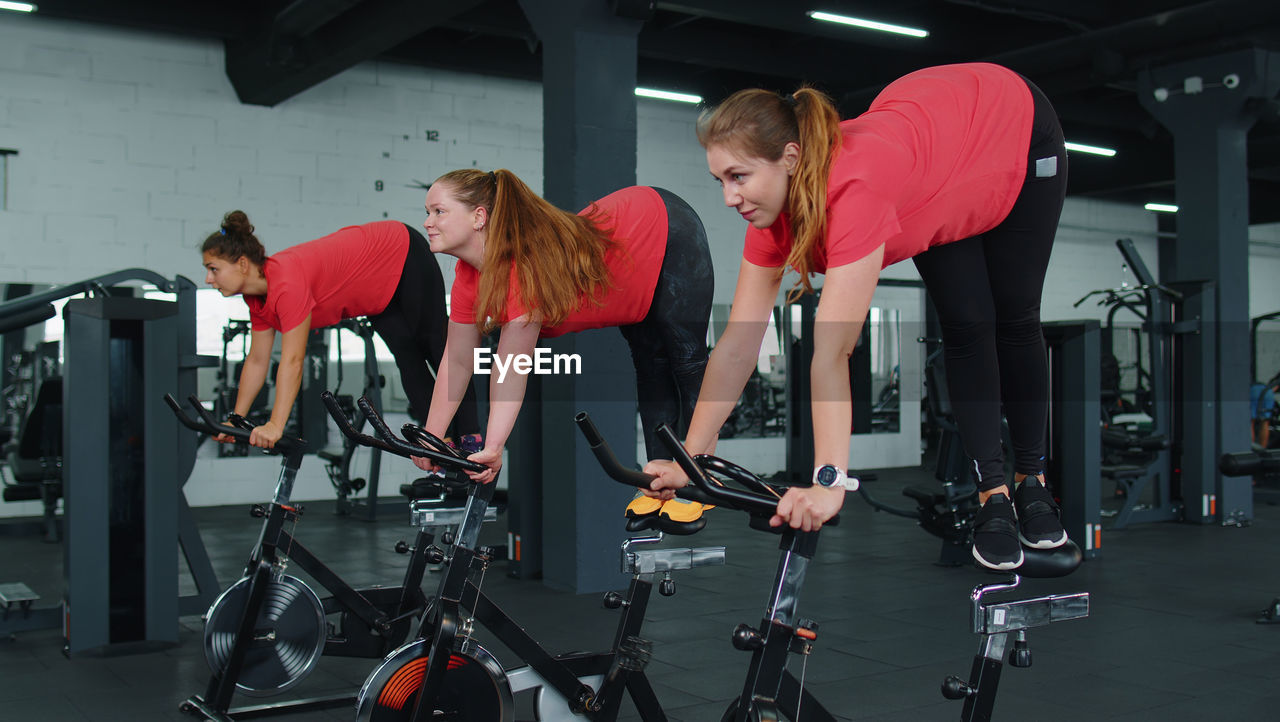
(1090,149)
(868,24)
(668,95)
(17,7)
(1161,208)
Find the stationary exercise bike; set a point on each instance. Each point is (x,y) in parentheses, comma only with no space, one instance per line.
(996,622)
(771,691)
(446,674)
(265,633)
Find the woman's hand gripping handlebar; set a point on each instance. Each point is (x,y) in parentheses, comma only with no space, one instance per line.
(757,498)
(237,429)
(796,507)
(425,444)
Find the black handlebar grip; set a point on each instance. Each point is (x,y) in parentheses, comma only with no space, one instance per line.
(616,471)
(733,498)
(210,425)
(286,444)
(389,441)
(375,420)
(420,436)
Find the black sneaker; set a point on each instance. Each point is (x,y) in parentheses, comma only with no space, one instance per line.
(995,535)
(1039,519)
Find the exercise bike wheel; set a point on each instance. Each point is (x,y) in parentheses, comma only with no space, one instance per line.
(761,712)
(475,687)
(289,634)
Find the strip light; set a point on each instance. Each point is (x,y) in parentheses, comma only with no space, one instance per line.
(1161,208)
(668,95)
(17,7)
(1090,149)
(868,24)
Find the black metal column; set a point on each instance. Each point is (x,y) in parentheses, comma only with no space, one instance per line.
(120,464)
(1209,106)
(1075,447)
(589,150)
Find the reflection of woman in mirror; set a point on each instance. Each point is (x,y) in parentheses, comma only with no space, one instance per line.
(961,168)
(636,260)
(382,270)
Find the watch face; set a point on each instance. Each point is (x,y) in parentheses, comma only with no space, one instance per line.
(827,475)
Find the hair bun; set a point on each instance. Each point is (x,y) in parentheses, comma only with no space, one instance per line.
(237,222)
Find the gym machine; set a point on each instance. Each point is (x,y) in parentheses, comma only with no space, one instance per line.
(123,468)
(771,691)
(1161,474)
(267,631)
(338,461)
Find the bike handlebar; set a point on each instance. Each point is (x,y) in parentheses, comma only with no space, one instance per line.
(209,424)
(389,442)
(616,471)
(757,499)
(750,502)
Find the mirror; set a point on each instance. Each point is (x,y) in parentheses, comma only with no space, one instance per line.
(761,410)
(883,338)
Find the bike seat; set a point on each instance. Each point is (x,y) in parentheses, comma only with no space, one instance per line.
(1124,471)
(666,525)
(1046,563)
(331,454)
(924,495)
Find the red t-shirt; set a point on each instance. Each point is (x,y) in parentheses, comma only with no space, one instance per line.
(636,218)
(940,156)
(353,272)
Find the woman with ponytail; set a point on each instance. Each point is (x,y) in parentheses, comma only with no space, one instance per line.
(636,259)
(381,270)
(961,168)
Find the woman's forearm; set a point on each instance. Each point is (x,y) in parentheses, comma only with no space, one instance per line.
(832,408)
(288,383)
(253,374)
(451,385)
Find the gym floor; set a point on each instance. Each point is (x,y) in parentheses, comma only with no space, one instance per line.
(1171,635)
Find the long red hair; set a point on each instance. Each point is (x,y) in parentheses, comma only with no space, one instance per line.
(558,256)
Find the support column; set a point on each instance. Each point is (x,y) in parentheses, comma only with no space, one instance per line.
(1209,104)
(589,151)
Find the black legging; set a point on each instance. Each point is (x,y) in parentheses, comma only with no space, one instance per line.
(669,347)
(414,325)
(987,292)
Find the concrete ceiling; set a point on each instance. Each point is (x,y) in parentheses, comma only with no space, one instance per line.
(1085,54)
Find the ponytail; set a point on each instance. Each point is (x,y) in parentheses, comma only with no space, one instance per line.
(759,123)
(558,256)
(234,240)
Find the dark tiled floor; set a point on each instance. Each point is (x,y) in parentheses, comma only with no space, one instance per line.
(1171,635)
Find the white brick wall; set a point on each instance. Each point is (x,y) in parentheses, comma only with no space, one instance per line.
(132,146)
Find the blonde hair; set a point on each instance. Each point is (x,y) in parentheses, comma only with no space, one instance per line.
(759,124)
(558,256)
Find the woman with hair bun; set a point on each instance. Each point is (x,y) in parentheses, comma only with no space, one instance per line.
(961,168)
(381,270)
(636,259)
